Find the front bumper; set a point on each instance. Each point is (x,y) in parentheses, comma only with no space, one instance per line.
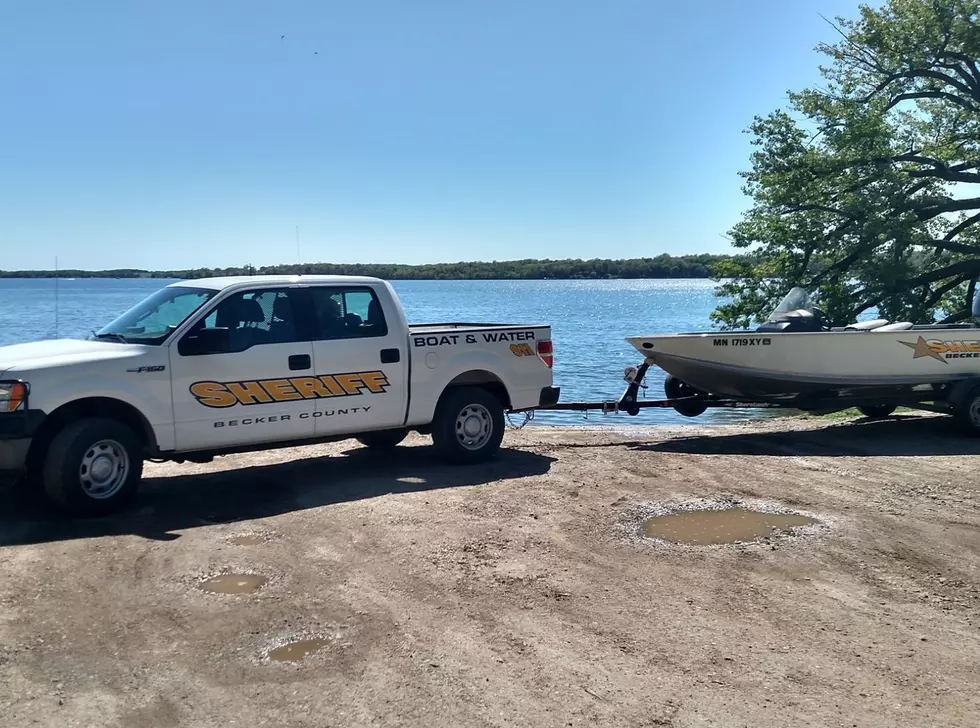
(16,431)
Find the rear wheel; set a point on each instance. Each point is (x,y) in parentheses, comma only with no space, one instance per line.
(876,411)
(383,439)
(468,425)
(674,388)
(966,410)
(92,467)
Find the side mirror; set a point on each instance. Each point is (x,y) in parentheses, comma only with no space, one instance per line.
(205,341)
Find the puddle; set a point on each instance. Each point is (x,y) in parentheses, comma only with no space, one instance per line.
(295,651)
(250,540)
(233,583)
(713,527)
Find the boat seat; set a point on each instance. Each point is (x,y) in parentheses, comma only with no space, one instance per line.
(867,325)
(899,326)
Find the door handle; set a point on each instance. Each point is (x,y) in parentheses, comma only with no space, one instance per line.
(390,356)
(299,362)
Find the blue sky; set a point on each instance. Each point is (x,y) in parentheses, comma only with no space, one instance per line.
(183,134)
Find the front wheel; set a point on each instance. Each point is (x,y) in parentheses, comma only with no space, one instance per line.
(383,439)
(876,411)
(92,467)
(468,425)
(674,388)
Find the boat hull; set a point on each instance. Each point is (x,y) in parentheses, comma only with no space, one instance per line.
(777,366)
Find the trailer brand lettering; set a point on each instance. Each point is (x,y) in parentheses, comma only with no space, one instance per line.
(942,350)
(743,341)
(444,340)
(508,336)
(265,391)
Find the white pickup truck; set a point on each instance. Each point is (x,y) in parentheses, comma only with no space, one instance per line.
(222,365)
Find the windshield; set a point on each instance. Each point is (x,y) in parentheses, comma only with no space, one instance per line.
(152,320)
(795,300)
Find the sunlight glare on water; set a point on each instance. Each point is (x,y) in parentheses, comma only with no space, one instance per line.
(590,320)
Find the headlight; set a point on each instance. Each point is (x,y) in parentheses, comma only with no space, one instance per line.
(13,396)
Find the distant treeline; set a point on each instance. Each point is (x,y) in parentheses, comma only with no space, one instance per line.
(662,266)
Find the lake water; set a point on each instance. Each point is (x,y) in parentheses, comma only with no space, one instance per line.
(589,319)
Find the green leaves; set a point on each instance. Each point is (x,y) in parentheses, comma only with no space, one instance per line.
(865,190)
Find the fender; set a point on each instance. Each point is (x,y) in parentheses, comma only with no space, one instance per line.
(149,394)
(429,384)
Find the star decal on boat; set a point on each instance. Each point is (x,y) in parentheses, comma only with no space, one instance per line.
(922,349)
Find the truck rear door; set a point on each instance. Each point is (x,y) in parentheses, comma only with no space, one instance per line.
(361,358)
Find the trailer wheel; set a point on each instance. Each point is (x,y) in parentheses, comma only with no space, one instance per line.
(92,467)
(468,426)
(876,411)
(383,439)
(674,388)
(966,410)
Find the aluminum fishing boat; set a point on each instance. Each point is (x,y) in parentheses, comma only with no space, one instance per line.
(796,359)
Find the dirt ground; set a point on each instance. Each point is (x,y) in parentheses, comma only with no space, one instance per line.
(518,593)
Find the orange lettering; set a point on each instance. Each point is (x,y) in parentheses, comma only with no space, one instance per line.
(310,387)
(249,392)
(351,383)
(955,346)
(973,346)
(376,382)
(213,394)
(937,346)
(281,390)
(335,389)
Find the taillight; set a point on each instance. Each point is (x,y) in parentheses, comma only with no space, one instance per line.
(547,353)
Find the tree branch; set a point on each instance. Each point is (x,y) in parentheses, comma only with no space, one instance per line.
(911,95)
(961,226)
(964,269)
(931,209)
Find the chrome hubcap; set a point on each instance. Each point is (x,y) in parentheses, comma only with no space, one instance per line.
(474,425)
(104,469)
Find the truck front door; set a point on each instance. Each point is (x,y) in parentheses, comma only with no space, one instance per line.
(260,389)
(361,361)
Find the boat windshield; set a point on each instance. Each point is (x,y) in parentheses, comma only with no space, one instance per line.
(976,307)
(796,300)
(152,320)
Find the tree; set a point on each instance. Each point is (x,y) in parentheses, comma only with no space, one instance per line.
(866,191)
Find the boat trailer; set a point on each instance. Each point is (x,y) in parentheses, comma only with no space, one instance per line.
(631,404)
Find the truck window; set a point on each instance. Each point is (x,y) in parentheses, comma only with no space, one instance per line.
(254,318)
(347,313)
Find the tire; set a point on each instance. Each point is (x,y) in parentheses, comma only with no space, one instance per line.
(674,388)
(877,411)
(383,439)
(468,426)
(92,467)
(966,410)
